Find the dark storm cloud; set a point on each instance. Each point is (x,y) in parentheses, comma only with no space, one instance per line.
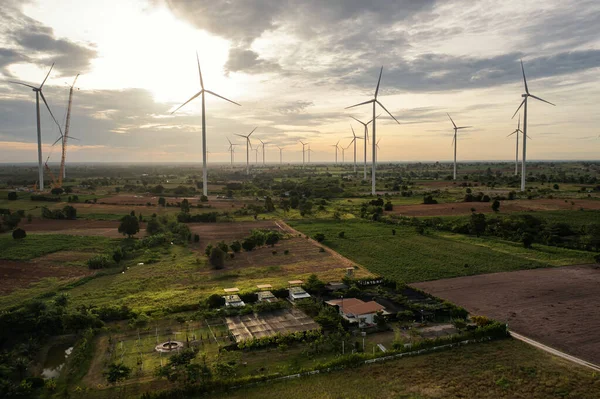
(248,61)
(29,40)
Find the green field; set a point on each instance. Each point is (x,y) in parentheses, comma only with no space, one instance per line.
(500,369)
(36,245)
(575,218)
(410,257)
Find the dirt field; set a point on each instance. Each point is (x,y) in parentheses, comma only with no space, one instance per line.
(20,274)
(81,227)
(557,307)
(304,255)
(282,321)
(464,208)
(220,204)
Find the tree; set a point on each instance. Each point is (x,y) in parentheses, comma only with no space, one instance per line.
(69,190)
(12,196)
(555,186)
(117,372)
(388,206)
(428,199)
(496,206)
(215,301)
(19,234)
(527,240)
(314,285)
(249,244)
(477,224)
(70,212)
(185,206)
(203,198)
(153,227)
(57,191)
(235,246)
(272,238)
(320,237)
(269,206)
(217,258)
(162,201)
(129,226)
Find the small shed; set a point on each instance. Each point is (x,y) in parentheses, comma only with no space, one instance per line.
(233,301)
(266,296)
(335,286)
(297,293)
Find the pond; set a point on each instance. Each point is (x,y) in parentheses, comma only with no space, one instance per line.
(55,360)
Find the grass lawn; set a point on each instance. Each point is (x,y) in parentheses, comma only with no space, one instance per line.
(36,245)
(410,257)
(499,369)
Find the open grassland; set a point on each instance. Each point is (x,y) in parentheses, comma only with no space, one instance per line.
(410,257)
(575,218)
(500,369)
(36,245)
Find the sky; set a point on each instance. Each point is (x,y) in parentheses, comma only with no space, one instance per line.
(294,66)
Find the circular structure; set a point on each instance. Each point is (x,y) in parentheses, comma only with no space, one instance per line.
(169,346)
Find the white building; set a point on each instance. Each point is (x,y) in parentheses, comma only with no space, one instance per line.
(356,311)
(297,293)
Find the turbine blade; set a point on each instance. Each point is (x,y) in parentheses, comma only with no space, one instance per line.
(512,133)
(541,99)
(74,80)
(524,79)
(529,137)
(378,81)
(519,125)
(42,85)
(51,114)
(226,99)
(387,111)
(362,123)
(453,138)
(356,105)
(451,119)
(199,71)
(22,84)
(53,144)
(240,135)
(252,132)
(464,127)
(522,102)
(375,118)
(229,141)
(193,97)
(353,134)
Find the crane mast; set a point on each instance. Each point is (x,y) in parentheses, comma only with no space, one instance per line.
(62,174)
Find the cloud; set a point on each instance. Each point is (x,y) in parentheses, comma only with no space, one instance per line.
(248,61)
(29,40)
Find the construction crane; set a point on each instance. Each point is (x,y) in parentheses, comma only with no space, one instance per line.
(55,183)
(65,137)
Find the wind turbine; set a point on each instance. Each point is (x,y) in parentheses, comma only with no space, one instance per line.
(377,144)
(354,138)
(309,151)
(280,155)
(263,150)
(336,150)
(303,145)
(366,140)
(230,149)
(202,92)
(255,155)
(454,139)
(63,172)
(375,101)
(344,152)
(38,93)
(525,96)
(248,146)
(517,131)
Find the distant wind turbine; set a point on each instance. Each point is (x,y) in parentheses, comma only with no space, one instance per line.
(202,92)
(248,146)
(525,96)
(309,151)
(366,140)
(256,155)
(375,101)
(303,145)
(263,150)
(280,155)
(336,150)
(377,144)
(517,131)
(354,138)
(38,93)
(454,139)
(231,149)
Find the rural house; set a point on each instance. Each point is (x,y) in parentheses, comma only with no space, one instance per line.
(356,311)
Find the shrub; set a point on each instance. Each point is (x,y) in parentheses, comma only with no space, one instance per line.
(196,238)
(215,301)
(496,205)
(388,206)
(481,321)
(235,246)
(342,234)
(70,212)
(19,234)
(12,196)
(98,262)
(129,226)
(217,258)
(320,237)
(248,244)
(286,252)
(428,199)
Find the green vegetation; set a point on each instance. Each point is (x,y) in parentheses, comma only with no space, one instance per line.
(36,245)
(499,369)
(409,257)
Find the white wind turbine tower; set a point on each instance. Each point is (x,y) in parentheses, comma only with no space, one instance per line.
(248,146)
(263,150)
(344,152)
(366,140)
(374,101)
(336,150)
(377,144)
(309,151)
(202,92)
(231,149)
(303,145)
(454,139)
(354,138)
(525,96)
(280,155)
(38,93)
(517,131)
(255,155)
